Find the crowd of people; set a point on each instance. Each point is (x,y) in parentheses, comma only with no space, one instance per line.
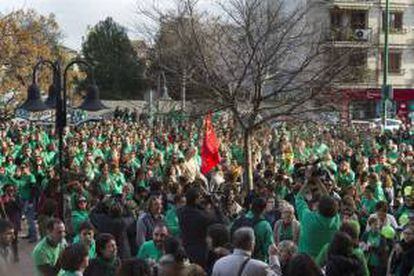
(131,200)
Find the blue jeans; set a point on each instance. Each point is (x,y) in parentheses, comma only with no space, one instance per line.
(29,212)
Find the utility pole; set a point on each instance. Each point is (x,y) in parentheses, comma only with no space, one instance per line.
(386,89)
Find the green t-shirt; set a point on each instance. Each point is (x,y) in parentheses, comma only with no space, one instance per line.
(148,250)
(92,248)
(379,192)
(320,150)
(369,204)
(50,158)
(346,179)
(118,180)
(45,254)
(285,233)
(264,238)
(316,230)
(393,156)
(78,217)
(10,169)
(171,221)
(374,240)
(24,184)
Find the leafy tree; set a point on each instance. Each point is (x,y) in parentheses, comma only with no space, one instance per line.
(118,71)
(25,37)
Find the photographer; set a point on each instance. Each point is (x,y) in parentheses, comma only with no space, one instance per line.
(194,221)
(318,227)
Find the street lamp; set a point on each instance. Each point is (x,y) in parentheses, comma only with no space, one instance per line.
(33,102)
(57,101)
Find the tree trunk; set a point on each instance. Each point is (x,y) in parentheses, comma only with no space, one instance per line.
(248,165)
(183,90)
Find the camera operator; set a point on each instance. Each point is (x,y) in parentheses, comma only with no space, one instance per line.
(318,227)
(194,220)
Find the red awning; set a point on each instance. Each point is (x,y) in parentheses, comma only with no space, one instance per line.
(375,94)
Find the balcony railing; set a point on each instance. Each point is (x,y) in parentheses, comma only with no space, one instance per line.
(353,4)
(350,35)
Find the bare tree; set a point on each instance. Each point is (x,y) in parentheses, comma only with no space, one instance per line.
(263,60)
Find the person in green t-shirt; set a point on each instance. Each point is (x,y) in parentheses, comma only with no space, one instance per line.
(117,179)
(317,227)
(80,214)
(372,243)
(171,218)
(375,183)
(352,229)
(3,178)
(10,167)
(262,229)
(24,180)
(47,251)
(107,261)
(153,249)
(86,238)
(345,176)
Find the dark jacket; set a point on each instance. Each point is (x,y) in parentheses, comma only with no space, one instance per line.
(407,260)
(193,222)
(214,255)
(13,212)
(98,267)
(342,265)
(117,227)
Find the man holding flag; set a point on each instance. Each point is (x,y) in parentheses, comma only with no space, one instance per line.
(210,156)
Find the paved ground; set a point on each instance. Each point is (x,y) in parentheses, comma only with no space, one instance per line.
(25,266)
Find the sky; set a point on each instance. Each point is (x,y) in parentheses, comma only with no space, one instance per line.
(74,16)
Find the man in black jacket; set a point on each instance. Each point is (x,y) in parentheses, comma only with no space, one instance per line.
(407,258)
(193,222)
(11,209)
(116,222)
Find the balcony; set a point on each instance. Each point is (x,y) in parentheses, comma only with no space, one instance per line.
(397,4)
(350,37)
(401,37)
(353,4)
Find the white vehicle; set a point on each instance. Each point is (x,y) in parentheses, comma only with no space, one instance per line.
(390,124)
(361,124)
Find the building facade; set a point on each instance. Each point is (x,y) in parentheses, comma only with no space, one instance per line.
(357,27)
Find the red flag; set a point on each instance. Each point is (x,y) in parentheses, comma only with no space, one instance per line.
(210,150)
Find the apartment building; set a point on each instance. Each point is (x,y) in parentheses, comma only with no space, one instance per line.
(357,27)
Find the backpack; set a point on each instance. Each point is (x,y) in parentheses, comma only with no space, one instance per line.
(244,221)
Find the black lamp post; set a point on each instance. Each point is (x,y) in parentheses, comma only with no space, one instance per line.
(56,100)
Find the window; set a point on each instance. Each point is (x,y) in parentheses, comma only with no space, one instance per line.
(395,60)
(396,21)
(358,20)
(358,59)
(335,19)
